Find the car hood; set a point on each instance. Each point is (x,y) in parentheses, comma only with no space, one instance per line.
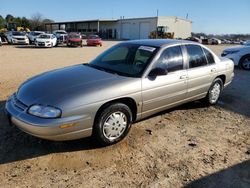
(18,36)
(237,48)
(75,39)
(42,40)
(73,86)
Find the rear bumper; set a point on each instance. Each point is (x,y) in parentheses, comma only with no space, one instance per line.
(59,129)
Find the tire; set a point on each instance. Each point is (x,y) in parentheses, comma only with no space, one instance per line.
(214,92)
(112,124)
(245,62)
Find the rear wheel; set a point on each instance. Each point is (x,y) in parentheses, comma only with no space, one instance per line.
(245,62)
(113,123)
(214,92)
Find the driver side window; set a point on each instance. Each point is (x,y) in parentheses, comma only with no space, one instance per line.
(171,59)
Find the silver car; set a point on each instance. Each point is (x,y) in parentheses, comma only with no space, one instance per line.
(126,83)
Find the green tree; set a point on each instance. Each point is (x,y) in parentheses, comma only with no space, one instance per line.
(9,18)
(2,22)
(25,22)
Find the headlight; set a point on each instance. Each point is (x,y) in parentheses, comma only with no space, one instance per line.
(230,52)
(47,41)
(44,111)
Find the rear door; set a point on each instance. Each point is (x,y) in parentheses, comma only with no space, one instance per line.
(162,92)
(201,70)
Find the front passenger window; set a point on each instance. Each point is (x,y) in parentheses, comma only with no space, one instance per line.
(171,59)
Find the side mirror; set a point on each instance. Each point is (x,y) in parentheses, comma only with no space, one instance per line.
(158,72)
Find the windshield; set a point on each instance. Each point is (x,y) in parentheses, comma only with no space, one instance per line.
(18,34)
(93,37)
(60,32)
(125,59)
(44,36)
(37,33)
(74,36)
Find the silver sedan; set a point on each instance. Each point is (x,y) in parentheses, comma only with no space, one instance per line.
(126,83)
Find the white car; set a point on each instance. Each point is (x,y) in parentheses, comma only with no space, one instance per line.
(239,54)
(33,34)
(214,41)
(17,37)
(0,41)
(46,40)
(61,36)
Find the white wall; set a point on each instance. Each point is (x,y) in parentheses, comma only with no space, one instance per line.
(182,28)
(135,28)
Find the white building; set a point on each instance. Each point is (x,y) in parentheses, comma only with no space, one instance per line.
(131,28)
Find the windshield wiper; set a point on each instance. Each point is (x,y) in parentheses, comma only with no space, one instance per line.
(102,69)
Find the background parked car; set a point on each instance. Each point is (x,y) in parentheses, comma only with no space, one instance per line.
(214,41)
(33,34)
(194,39)
(61,36)
(46,40)
(239,54)
(17,37)
(0,41)
(74,39)
(94,40)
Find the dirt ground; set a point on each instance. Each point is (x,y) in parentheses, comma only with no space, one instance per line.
(189,146)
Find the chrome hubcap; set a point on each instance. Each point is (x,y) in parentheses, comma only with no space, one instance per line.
(246,63)
(215,92)
(115,125)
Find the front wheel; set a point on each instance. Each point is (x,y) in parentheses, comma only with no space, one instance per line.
(113,123)
(245,62)
(214,92)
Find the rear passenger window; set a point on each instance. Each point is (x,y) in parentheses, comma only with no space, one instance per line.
(196,56)
(171,59)
(210,57)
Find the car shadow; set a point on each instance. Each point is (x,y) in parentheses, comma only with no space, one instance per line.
(16,145)
(234,176)
(26,46)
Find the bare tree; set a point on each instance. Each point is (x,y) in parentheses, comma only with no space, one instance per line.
(37,21)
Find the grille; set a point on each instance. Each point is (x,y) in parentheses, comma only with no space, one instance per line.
(17,103)
(41,43)
(19,38)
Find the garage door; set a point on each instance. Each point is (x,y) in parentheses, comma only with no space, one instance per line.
(144,30)
(125,31)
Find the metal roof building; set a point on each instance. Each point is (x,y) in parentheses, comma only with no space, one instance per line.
(129,28)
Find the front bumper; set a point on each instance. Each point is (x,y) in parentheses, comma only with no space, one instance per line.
(234,57)
(20,41)
(94,43)
(43,44)
(58,129)
(71,43)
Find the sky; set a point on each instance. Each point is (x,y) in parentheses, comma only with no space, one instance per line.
(208,16)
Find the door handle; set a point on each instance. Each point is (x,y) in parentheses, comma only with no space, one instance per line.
(182,77)
(213,69)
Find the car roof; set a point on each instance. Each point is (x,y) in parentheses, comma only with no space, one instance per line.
(46,34)
(159,42)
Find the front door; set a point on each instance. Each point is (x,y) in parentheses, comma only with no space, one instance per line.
(162,92)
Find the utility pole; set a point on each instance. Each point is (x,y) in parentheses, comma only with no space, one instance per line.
(157,14)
